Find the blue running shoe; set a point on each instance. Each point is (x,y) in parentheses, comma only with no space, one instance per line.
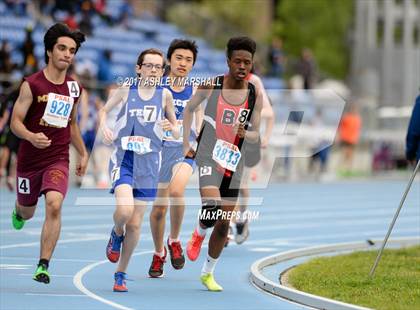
(113,249)
(120,279)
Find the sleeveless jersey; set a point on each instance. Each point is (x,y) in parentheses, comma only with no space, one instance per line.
(219,119)
(137,127)
(49,113)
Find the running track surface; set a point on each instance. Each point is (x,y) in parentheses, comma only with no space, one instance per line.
(292,216)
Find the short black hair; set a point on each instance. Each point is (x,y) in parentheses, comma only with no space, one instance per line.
(240,43)
(61,30)
(184,44)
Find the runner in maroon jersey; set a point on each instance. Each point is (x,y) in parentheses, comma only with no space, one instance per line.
(233,105)
(44,117)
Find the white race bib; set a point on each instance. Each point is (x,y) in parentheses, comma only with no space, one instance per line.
(137,144)
(167,135)
(226,154)
(58,110)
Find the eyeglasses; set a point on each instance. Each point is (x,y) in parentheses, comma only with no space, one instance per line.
(150,66)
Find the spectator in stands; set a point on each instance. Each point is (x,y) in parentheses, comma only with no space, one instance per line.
(382,157)
(8,140)
(412,151)
(85,24)
(321,147)
(125,13)
(5,61)
(307,68)
(87,10)
(30,63)
(70,20)
(276,58)
(100,6)
(63,5)
(6,66)
(17,7)
(45,7)
(349,134)
(105,76)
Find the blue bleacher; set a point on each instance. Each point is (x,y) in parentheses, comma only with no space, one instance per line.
(125,43)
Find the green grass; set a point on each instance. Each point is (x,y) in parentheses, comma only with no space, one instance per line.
(395,285)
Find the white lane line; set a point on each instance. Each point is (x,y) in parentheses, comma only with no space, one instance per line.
(29,244)
(66,217)
(51,275)
(189,200)
(337,223)
(78,282)
(364,234)
(34,231)
(55,295)
(14,266)
(73,260)
(281,222)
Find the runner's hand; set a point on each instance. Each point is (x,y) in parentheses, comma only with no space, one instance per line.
(82,165)
(39,140)
(166,125)
(108,135)
(264,143)
(239,129)
(186,148)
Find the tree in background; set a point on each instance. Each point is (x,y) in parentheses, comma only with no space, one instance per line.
(218,20)
(321,25)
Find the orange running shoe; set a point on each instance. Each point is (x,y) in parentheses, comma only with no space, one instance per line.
(194,245)
(120,284)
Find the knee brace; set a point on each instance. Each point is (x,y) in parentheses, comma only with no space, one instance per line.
(210,212)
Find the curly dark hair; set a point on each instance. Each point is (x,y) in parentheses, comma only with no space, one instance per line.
(240,43)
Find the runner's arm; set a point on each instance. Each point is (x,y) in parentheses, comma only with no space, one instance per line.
(267,112)
(253,135)
(84,110)
(117,96)
(20,109)
(202,93)
(77,141)
(170,114)
(199,114)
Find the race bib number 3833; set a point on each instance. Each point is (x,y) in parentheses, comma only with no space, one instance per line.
(58,110)
(227,155)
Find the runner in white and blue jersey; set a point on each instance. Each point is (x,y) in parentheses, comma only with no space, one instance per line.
(147,111)
(176,169)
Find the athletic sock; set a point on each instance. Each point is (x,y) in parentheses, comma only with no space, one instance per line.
(160,254)
(209,265)
(201,231)
(170,240)
(44,262)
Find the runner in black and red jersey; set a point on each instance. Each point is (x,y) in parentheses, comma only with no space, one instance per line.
(44,117)
(233,106)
